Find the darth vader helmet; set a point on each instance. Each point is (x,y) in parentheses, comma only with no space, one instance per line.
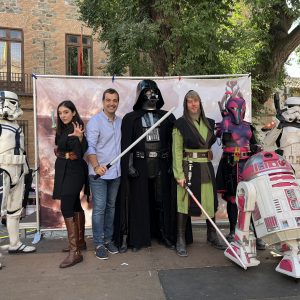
(148,96)
(9,106)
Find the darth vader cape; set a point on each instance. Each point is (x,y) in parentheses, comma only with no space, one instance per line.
(134,212)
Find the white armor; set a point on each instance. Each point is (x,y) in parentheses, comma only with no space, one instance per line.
(13,167)
(289,129)
(270,193)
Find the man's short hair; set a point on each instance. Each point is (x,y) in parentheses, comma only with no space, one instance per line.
(110,91)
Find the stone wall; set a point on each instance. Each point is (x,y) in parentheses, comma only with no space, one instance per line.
(45,24)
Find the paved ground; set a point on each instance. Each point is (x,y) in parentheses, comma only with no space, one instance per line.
(125,276)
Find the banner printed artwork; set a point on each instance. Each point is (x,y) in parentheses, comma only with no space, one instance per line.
(86,93)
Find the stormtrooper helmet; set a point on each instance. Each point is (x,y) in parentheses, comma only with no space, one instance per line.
(292,101)
(148,96)
(9,106)
(291,114)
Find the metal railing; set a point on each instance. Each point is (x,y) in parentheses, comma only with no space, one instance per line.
(19,83)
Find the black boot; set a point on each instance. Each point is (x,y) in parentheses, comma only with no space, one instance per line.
(123,247)
(232,213)
(212,236)
(230,236)
(260,244)
(181,226)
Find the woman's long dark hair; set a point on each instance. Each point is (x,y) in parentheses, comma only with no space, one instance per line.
(76,118)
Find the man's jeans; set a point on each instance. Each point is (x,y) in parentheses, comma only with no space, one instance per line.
(104,192)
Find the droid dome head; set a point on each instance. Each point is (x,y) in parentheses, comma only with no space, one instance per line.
(236,108)
(265,163)
(9,106)
(148,96)
(292,101)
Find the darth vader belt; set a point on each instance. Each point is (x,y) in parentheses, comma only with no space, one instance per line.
(151,154)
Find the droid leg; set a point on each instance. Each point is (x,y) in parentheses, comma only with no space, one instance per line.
(290,264)
(244,240)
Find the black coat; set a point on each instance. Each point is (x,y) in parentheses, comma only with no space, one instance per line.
(133,216)
(70,175)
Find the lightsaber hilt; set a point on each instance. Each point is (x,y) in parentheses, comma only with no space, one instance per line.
(190,173)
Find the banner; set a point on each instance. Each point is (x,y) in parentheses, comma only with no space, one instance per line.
(86,93)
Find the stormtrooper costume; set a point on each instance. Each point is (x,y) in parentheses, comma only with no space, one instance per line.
(285,136)
(13,168)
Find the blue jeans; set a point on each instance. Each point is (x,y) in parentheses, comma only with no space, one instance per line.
(104,193)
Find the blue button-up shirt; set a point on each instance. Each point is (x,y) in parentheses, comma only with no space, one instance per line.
(104,140)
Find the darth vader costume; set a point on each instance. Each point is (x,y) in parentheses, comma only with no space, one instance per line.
(146,207)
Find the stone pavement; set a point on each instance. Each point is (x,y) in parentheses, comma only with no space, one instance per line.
(125,276)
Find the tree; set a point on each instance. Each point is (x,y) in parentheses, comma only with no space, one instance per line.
(187,37)
(159,37)
(275,23)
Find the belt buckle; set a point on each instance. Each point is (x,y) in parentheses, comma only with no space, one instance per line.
(67,155)
(194,155)
(164,155)
(237,154)
(152,154)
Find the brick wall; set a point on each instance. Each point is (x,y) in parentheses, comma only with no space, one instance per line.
(45,24)
(26,105)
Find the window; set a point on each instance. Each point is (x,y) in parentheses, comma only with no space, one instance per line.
(78,55)
(11,55)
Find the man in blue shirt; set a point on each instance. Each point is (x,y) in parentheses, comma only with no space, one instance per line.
(104,140)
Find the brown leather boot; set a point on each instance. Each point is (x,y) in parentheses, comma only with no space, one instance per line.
(79,218)
(74,256)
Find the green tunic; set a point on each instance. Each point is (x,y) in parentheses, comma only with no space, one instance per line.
(207,194)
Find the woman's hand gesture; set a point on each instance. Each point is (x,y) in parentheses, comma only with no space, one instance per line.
(78,131)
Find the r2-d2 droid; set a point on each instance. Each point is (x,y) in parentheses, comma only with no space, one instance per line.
(269,193)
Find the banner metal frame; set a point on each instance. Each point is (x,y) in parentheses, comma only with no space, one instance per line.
(36,225)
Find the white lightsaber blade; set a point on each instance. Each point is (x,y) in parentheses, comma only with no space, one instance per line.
(139,139)
(215,226)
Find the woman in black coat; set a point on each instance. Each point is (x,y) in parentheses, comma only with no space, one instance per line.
(71,175)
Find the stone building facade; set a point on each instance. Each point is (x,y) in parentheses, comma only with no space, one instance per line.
(44,27)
